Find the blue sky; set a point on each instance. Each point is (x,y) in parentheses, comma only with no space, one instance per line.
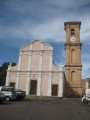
(22,20)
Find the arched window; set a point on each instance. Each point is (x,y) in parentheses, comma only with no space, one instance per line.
(73,76)
(73,56)
(72,32)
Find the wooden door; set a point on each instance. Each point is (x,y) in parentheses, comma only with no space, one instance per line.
(33,88)
(54,90)
(12,84)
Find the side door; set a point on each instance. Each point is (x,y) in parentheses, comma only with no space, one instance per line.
(33,88)
(54,90)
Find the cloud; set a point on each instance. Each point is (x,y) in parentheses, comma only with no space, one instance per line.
(74,3)
(86,70)
(85,29)
(46,31)
(23,6)
(86,56)
(85,65)
(42,18)
(63,53)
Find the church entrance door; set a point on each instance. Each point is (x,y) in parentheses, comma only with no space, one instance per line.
(33,87)
(54,90)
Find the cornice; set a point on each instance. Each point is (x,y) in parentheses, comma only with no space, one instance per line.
(37,51)
(35,71)
(73,44)
(69,23)
(73,65)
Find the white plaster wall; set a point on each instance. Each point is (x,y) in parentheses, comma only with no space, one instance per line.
(24,62)
(45,62)
(44,85)
(35,62)
(22,82)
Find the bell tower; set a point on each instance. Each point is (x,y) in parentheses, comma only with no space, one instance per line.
(73,67)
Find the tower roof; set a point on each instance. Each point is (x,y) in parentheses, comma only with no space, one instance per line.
(72,23)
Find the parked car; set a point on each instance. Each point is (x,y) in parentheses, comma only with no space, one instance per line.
(9,92)
(86,97)
(2,97)
(20,94)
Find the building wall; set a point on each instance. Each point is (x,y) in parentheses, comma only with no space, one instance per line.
(35,61)
(22,82)
(55,78)
(45,62)
(44,85)
(24,62)
(36,64)
(13,77)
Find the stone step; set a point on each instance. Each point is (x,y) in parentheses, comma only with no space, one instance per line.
(42,97)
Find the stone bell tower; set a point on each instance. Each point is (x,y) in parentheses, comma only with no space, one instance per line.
(73,67)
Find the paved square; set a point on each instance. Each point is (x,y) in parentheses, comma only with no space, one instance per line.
(60,109)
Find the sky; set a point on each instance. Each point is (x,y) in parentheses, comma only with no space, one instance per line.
(22,20)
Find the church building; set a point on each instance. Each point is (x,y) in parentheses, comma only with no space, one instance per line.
(36,73)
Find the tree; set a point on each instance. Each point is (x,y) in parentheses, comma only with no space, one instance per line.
(3,72)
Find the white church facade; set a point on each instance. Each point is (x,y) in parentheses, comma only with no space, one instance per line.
(35,72)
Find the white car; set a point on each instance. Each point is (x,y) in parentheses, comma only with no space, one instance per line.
(86,97)
(2,97)
(9,92)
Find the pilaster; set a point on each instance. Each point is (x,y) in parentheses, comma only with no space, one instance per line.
(28,76)
(8,75)
(61,83)
(50,75)
(39,76)
(39,85)
(18,73)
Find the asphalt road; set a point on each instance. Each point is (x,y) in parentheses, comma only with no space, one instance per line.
(62,109)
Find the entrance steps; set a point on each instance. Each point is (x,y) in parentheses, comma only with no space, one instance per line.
(42,97)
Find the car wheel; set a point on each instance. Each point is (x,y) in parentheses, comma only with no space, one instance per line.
(7,99)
